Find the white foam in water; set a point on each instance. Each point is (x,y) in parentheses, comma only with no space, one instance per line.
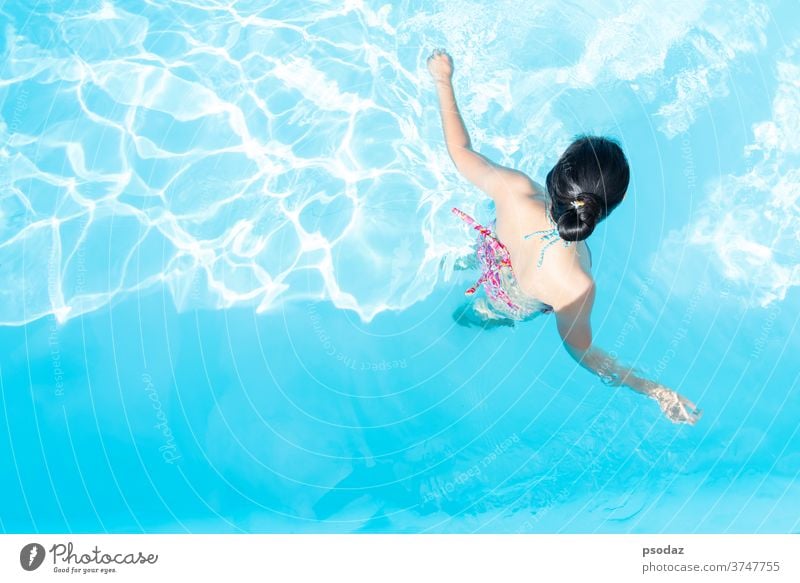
(748,225)
(724,36)
(255,158)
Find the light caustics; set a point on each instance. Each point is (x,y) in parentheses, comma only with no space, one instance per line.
(253,156)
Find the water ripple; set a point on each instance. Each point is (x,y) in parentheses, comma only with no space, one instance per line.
(250,154)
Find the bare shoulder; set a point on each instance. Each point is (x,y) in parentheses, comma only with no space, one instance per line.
(572,291)
(525,199)
(529,188)
(517,184)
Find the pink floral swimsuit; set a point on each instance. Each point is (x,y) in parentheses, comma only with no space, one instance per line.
(504,296)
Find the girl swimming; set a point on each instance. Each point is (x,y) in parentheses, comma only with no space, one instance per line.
(535,258)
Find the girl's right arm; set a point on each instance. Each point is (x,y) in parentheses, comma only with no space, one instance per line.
(574,327)
(495,180)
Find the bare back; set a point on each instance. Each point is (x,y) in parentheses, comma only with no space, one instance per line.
(518,216)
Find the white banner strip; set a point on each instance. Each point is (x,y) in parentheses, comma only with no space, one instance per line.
(401,558)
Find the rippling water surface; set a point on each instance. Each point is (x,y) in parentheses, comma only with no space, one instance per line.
(227,268)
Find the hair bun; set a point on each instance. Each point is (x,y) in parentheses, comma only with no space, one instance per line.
(580,219)
(588,209)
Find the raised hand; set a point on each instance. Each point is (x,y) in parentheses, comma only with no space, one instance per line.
(440,66)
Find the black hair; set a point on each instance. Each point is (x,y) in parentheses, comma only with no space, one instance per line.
(586,184)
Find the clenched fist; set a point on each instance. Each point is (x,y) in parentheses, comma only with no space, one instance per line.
(440,65)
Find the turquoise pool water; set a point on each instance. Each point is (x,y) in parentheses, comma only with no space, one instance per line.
(227,268)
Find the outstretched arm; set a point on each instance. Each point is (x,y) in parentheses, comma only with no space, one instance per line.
(574,327)
(495,180)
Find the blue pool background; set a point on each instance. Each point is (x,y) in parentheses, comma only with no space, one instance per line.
(226,269)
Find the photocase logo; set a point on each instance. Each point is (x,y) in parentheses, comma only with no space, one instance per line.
(31,556)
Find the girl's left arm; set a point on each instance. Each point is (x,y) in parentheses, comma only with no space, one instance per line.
(497,181)
(572,319)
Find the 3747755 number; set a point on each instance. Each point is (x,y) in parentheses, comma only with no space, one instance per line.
(755,566)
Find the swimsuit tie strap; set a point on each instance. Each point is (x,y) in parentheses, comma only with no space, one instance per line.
(549,236)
